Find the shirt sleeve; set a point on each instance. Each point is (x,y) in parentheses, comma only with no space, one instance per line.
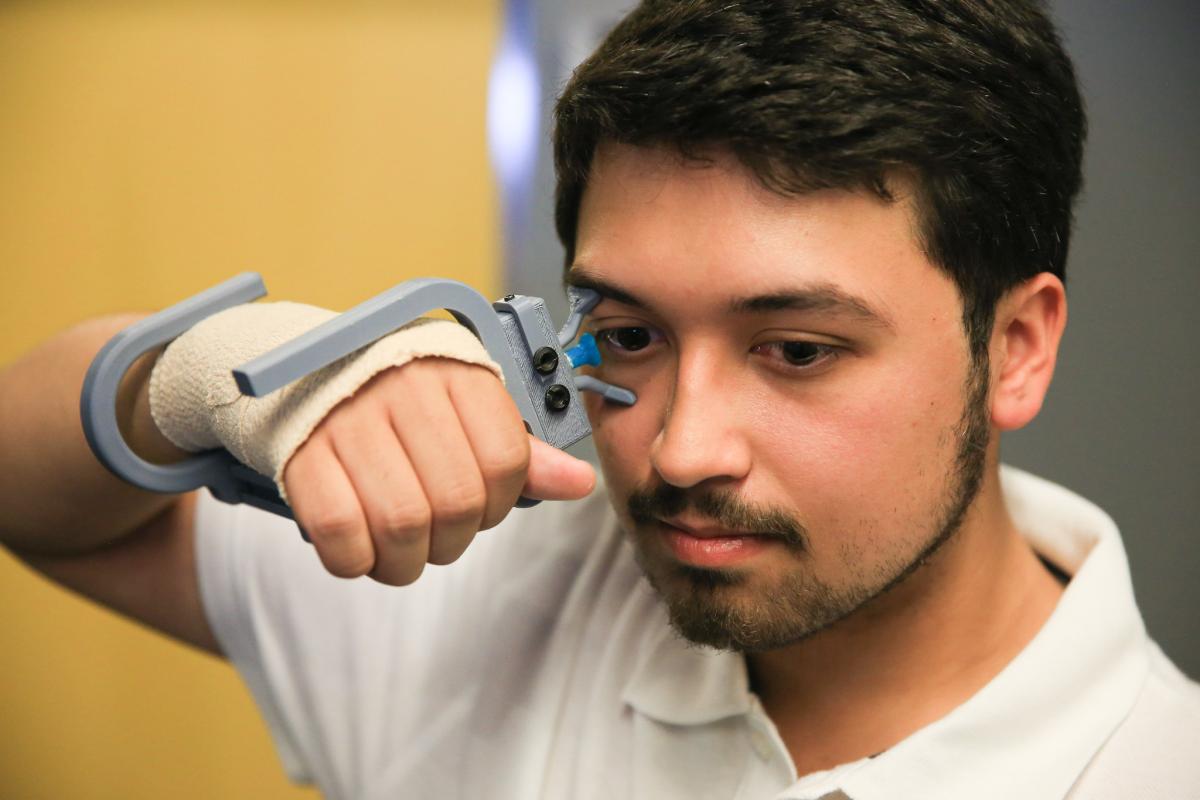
(224,536)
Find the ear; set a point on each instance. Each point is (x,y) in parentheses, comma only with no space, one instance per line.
(1029,325)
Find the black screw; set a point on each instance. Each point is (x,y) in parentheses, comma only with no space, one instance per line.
(558,397)
(545,360)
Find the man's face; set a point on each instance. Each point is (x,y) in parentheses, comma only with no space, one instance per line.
(808,425)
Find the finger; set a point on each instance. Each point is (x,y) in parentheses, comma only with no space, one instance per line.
(327,508)
(391,497)
(555,474)
(428,427)
(497,438)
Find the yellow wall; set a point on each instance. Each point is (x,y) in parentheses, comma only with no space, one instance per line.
(147,151)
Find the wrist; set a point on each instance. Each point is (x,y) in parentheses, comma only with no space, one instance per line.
(135,420)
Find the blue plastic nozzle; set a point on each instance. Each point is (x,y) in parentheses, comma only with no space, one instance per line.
(585,353)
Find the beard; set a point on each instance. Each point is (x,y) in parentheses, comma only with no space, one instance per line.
(703,604)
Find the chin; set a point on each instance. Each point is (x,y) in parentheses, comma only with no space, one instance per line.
(742,610)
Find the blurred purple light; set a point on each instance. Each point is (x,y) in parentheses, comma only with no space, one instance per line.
(513,113)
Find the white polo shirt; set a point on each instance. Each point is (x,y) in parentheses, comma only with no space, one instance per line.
(541,665)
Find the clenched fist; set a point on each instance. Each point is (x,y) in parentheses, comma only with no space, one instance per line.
(417,462)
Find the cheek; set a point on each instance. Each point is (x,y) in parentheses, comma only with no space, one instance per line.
(870,457)
(622,436)
(861,464)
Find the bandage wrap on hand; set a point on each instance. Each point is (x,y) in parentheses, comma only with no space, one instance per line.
(196,403)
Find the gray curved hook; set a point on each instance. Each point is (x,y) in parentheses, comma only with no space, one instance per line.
(98,400)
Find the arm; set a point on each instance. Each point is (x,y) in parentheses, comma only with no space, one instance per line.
(67,516)
(401,474)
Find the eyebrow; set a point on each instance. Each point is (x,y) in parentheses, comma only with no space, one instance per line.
(822,297)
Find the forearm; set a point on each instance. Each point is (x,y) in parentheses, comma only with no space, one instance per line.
(55,497)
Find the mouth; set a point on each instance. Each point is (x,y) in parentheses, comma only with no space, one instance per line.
(712,547)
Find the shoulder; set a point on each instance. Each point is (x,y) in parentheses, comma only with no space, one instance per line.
(1153,753)
(294,631)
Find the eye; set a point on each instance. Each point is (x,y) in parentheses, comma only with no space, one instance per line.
(627,340)
(799,355)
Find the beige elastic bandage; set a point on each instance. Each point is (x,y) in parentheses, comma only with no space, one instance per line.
(196,403)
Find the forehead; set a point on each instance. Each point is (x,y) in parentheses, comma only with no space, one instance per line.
(706,231)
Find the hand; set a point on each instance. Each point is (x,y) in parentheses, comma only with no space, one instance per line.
(422,458)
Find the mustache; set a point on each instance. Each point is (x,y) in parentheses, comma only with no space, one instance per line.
(650,504)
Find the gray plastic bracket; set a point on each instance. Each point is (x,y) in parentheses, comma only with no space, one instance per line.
(527,326)
(582,302)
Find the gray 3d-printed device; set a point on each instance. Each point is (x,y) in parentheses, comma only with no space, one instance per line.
(516,331)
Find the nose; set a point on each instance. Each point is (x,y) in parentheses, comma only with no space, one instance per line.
(701,437)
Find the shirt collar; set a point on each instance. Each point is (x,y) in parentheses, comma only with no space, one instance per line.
(1087,665)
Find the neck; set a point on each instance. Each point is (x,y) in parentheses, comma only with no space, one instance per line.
(915,653)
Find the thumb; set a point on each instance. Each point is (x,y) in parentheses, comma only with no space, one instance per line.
(556,475)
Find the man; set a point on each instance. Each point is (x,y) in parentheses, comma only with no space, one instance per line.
(831,240)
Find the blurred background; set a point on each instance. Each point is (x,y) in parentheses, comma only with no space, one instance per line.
(151,149)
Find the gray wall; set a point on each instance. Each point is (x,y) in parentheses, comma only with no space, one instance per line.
(1120,424)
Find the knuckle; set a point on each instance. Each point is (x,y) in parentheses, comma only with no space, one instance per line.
(353,566)
(510,463)
(460,503)
(335,527)
(405,524)
(341,545)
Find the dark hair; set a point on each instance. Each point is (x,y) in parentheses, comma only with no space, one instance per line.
(975,99)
